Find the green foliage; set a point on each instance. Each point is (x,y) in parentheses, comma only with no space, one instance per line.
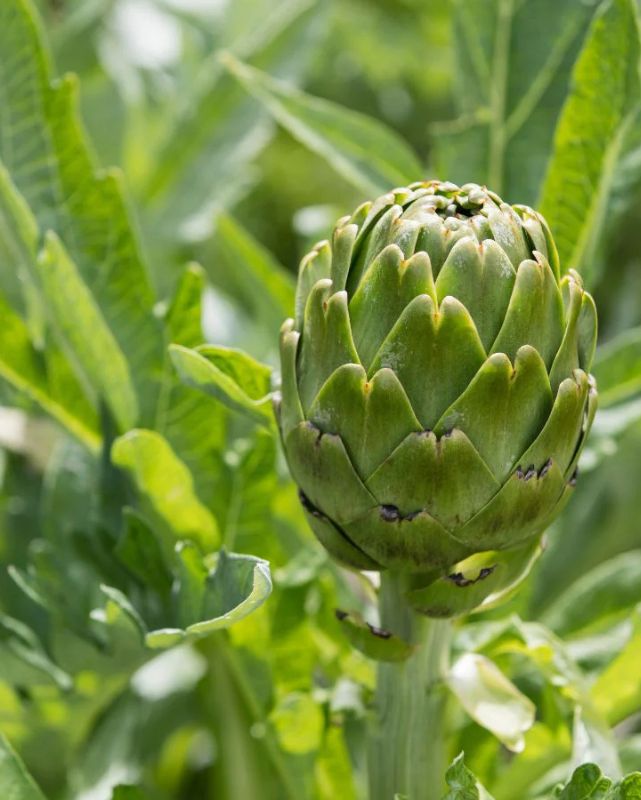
(168,623)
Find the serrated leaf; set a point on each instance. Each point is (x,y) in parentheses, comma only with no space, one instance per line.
(44,149)
(165,488)
(45,376)
(15,781)
(491,699)
(50,384)
(231,376)
(361,149)
(603,102)
(79,322)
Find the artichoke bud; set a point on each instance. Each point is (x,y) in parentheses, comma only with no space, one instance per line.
(435,390)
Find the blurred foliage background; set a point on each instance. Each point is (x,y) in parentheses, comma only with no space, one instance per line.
(235,175)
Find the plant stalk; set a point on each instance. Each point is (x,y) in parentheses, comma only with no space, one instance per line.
(406,748)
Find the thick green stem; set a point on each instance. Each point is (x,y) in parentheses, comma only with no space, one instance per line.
(406,750)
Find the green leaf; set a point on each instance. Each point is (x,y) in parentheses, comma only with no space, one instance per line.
(375,643)
(235,587)
(231,376)
(44,375)
(184,317)
(361,149)
(194,425)
(617,368)
(616,693)
(491,699)
(128,793)
(298,723)
(23,660)
(603,595)
(165,488)
(215,130)
(15,781)
(44,149)
(333,769)
(46,380)
(462,782)
(246,270)
(587,783)
(604,100)
(141,552)
(512,76)
(18,241)
(79,323)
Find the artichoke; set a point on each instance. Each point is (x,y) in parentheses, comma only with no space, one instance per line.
(435,390)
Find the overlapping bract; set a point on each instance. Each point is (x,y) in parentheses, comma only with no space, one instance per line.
(435,389)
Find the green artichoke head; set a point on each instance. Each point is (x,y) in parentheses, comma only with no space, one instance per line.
(435,390)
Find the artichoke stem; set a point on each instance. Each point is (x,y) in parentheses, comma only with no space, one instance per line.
(407,742)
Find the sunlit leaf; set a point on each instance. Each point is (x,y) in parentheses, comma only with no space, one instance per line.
(231,376)
(491,699)
(616,692)
(298,722)
(165,487)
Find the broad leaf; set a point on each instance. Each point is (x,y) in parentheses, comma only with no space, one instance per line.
(231,376)
(616,693)
(219,595)
(165,487)
(491,699)
(361,149)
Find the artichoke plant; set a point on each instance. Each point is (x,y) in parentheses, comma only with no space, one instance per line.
(435,390)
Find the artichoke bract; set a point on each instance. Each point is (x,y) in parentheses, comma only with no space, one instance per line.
(435,390)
